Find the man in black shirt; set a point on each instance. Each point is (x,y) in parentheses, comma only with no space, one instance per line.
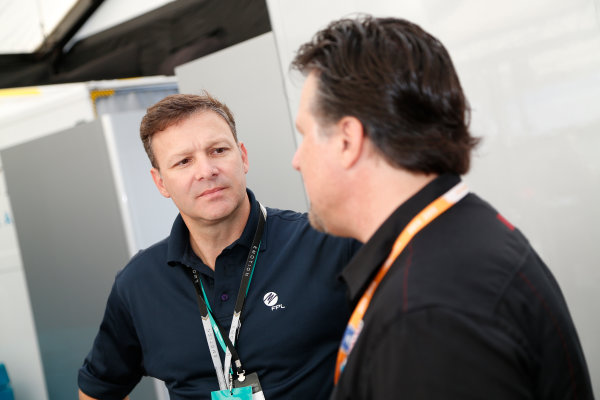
(450,300)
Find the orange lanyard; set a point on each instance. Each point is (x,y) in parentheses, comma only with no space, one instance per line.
(421,220)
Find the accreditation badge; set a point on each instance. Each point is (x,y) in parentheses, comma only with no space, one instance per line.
(243,393)
(250,381)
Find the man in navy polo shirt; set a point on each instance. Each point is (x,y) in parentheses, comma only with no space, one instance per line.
(170,313)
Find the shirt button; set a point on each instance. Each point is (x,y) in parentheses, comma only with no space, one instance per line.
(224,297)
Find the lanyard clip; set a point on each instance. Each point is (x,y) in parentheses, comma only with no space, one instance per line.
(238,369)
(241,376)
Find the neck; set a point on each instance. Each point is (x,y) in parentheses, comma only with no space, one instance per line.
(209,240)
(386,189)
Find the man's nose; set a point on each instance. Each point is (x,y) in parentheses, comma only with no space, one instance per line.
(205,170)
(295,160)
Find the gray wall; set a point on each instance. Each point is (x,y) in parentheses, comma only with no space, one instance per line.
(71,240)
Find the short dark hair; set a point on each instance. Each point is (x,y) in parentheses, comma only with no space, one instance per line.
(176,108)
(399,81)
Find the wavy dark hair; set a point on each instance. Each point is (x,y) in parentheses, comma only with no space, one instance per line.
(399,81)
(176,108)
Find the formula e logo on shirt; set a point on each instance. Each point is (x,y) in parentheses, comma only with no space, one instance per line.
(271,299)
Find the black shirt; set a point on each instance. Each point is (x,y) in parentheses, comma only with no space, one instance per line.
(292,321)
(467,311)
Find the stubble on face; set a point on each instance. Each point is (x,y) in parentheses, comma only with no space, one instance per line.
(315,221)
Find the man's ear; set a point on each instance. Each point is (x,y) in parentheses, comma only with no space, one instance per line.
(244,153)
(158,181)
(352,140)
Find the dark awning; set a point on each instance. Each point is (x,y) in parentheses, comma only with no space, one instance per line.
(151,44)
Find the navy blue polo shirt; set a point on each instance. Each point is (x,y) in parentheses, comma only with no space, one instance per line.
(292,321)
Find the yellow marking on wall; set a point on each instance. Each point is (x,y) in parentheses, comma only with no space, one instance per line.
(23,91)
(95,94)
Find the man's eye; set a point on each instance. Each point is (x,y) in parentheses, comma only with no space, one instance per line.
(219,150)
(184,161)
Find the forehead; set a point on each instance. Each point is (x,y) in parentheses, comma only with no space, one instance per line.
(203,123)
(307,98)
(199,130)
(309,90)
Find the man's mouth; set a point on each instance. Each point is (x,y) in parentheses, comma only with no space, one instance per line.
(211,191)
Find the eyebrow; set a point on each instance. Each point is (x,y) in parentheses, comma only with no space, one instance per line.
(189,150)
(180,154)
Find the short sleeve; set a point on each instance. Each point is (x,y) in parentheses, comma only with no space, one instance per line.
(114,365)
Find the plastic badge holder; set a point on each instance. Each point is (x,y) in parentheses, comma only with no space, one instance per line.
(244,393)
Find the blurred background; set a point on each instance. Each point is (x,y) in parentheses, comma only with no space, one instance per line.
(77,200)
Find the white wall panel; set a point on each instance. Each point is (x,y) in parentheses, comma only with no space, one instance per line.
(30,113)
